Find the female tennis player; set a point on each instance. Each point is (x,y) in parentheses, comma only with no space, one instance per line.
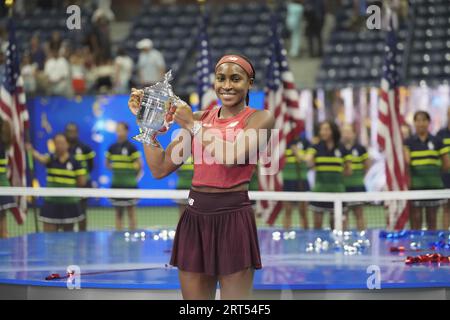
(216,239)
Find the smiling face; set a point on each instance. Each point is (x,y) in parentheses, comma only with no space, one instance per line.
(232,84)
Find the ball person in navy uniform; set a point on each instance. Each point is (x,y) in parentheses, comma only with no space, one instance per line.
(85,155)
(63,171)
(125,161)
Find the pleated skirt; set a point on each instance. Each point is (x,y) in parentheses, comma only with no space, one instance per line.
(216,234)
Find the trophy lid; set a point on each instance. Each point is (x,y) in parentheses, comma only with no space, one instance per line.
(163,89)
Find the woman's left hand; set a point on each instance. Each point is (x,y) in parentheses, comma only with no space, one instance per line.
(184,115)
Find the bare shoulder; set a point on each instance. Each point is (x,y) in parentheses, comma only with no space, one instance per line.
(198,114)
(262,119)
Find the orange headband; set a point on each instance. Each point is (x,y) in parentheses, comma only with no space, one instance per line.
(239,61)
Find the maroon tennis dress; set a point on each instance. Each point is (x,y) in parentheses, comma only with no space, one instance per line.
(216,234)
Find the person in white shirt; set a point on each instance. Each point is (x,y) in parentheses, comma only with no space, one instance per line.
(57,72)
(123,69)
(28,73)
(151,65)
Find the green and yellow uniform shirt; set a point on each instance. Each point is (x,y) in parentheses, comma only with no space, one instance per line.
(124,163)
(293,170)
(85,155)
(3,167)
(359,155)
(329,167)
(63,175)
(444,135)
(185,173)
(425,162)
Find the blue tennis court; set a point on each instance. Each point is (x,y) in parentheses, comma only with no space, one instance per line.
(296,265)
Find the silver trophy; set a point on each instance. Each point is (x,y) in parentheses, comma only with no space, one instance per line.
(155,115)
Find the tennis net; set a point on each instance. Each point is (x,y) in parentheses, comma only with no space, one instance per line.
(157,209)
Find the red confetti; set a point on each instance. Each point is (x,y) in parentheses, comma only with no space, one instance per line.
(397,249)
(53,276)
(427,258)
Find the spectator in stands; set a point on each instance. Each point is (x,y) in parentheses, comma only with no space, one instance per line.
(123,70)
(100,37)
(125,162)
(55,42)
(6,202)
(315,17)
(294,23)
(78,72)
(89,67)
(151,66)
(85,155)
(295,179)
(331,162)
(426,156)
(57,72)
(28,71)
(355,182)
(36,52)
(444,134)
(63,171)
(104,74)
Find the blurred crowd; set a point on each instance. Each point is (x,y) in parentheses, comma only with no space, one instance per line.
(64,67)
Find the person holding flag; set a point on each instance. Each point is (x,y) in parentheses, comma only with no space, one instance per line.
(63,171)
(85,155)
(13,110)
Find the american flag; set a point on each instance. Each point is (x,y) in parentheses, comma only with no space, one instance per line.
(205,72)
(389,132)
(13,109)
(282,99)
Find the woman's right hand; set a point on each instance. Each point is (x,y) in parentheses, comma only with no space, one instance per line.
(134,103)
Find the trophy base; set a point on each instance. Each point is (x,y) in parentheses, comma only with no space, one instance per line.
(147,137)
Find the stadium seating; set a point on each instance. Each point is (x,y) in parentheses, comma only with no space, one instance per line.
(355,59)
